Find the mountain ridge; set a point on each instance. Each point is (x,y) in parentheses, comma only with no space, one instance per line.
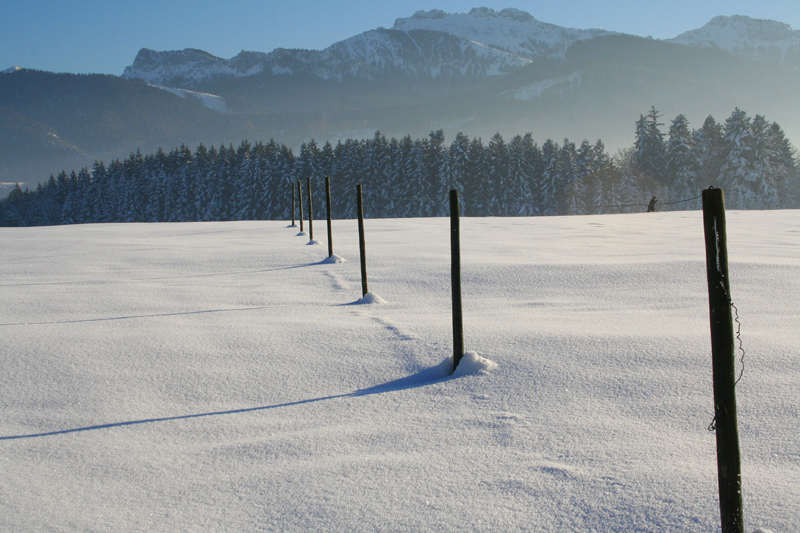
(480,73)
(509,38)
(760,39)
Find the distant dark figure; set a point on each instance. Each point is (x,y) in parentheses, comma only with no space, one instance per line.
(652,207)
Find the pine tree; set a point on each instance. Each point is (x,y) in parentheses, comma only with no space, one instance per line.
(522,153)
(765,173)
(681,162)
(786,170)
(737,175)
(566,178)
(650,147)
(497,167)
(550,181)
(708,150)
(475,182)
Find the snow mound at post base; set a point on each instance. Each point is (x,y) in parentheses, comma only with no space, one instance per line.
(370,298)
(472,363)
(333,259)
(313,242)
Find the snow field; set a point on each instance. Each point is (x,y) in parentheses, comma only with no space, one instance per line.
(223,376)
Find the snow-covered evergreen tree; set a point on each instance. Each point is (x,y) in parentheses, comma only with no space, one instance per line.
(550,180)
(738,177)
(523,155)
(681,162)
(708,150)
(650,147)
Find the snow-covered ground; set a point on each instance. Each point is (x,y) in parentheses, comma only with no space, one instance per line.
(222,377)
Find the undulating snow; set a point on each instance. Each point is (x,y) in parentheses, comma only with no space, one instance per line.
(226,376)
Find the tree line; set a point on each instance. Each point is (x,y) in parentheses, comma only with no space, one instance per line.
(750,158)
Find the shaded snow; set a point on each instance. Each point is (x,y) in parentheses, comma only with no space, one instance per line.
(215,376)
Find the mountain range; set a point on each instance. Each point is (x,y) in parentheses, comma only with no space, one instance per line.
(480,72)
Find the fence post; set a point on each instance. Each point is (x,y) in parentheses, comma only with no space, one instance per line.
(330,229)
(310,211)
(455,275)
(300,197)
(723,362)
(294,204)
(361,241)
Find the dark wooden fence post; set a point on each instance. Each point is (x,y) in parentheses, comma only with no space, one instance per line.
(723,363)
(300,197)
(294,204)
(330,228)
(310,212)
(361,240)
(455,269)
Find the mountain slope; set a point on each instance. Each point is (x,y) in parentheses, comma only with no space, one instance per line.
(373,54)
(763,40)
(53,121)
(509,29)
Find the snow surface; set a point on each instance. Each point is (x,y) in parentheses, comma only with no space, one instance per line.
(211,101)
(216,376)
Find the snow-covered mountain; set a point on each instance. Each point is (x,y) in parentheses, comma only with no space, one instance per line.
(763,40)
(190,66)
(436,44)
(416,53)
(11,70)
(429,44)
(512,30)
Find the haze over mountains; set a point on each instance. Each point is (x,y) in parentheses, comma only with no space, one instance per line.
(480,73)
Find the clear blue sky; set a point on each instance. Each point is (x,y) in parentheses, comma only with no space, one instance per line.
(103,36)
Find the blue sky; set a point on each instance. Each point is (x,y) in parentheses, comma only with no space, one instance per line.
(103,36)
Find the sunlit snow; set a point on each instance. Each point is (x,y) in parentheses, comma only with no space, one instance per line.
(224,376)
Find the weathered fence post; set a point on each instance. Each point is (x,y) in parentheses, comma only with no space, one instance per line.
(294,204)
(361,241)
(723,363)
(455,275)
(310,212)
(330,229)
(300,197)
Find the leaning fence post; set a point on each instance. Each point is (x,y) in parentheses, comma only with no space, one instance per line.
(723,363)
(455,275)
(310,212)
(361,241)
(300,197)
(330,229)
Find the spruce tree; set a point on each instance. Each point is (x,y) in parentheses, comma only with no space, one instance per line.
(681,161)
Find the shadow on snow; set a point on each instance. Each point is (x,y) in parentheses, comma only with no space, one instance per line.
(428,376)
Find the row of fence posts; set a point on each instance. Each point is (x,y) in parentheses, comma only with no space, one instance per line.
(721,320)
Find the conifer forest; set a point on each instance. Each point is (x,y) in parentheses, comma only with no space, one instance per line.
(750,158)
